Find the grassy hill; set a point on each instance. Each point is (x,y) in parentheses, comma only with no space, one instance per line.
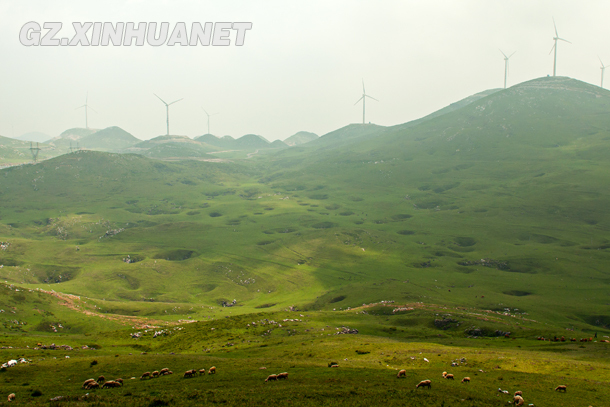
(109,139)
(13,151)
(439,238)
(301,137)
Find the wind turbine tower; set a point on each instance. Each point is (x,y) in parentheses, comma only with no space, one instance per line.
(167,105)
(506,58)
(209,115)
(556,38)
(363,98)
(603,68)
(86,106)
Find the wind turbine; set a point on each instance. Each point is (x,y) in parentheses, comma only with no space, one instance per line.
(506,58)
(363,98)
(556,37)
(86,106)
(167,109)
(603,68)
(208,118)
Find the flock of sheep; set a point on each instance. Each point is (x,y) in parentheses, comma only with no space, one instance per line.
(101,382)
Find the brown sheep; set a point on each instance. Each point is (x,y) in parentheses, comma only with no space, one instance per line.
(334,366)
(101,379)
(518,393)
(424,383)
(271,377)
(163,371)
(466,380)
(444,374)
(518,400)
(11,397)
(212,370)
(155,374)
(402,373)
(119,380)
(283,375)
(449,376)
(111,383)
(145,374)
(93,385)
(201,372)
(561,387)
(87,382)
(190,373)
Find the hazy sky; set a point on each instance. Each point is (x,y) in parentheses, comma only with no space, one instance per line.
(300,67)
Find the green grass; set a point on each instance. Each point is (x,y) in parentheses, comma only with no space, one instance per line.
(490,217)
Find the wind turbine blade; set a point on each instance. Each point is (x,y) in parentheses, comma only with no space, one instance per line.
(512,54)
(363,91)
(206,112)
(80,107)
(89,107)
(600,61)
(160,99)
(564,40)
(552,49)
(175,101)
(370,97)
(359,100)
(504,54)
(554,25)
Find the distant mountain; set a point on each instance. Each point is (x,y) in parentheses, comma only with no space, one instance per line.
(75,133)
(172,147)
(35,136)
(278,144)
(252,141)
(301,137)
(226,142)
(109,139)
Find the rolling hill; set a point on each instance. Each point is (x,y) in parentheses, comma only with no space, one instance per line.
(497,204)
(301,137)
(108,139)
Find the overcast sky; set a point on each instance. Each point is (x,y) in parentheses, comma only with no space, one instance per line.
(300,67)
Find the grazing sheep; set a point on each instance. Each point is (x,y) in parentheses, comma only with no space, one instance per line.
(92,385)
(518,393)
(87,382)
(561,387)
(334,366)
(466,380)
(190,373)
(155,374)
(163,371)
(119,380)
(101,379)
(11,397)
(402,373)
(283,375)
(444,374)
(271,377)
(449,376)
(424,383)
(201,372)
(212,370)
(111,383)
(145,374)
(518,400)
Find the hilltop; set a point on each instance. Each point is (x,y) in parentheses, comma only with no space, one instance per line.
(35,136)
(109,139)
(301,137)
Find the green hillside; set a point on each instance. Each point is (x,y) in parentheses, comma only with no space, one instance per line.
(463,238)
(300,138)
(109,139)
(13,151)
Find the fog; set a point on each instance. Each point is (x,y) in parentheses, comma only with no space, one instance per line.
(300,67)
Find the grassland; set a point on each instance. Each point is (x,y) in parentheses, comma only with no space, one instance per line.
(488,218)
